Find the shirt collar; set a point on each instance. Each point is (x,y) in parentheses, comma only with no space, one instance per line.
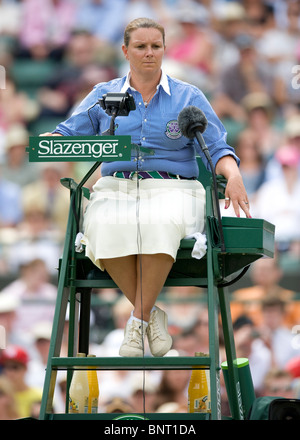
(163,82)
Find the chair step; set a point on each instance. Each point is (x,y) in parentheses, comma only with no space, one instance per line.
(131,363)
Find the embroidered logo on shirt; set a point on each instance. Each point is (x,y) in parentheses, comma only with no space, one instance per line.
(172,130)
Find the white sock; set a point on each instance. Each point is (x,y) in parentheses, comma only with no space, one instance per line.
(136,319)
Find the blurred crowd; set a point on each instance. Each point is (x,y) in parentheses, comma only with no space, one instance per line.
(245,56)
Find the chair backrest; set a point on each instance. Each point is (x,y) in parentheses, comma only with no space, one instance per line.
(204,175)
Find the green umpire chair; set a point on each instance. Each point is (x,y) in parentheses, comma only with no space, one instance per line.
(232,245)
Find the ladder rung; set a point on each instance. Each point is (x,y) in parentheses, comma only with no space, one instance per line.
(129,363)
(147,416)
(185,281)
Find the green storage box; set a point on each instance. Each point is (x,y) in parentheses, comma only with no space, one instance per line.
(248,235)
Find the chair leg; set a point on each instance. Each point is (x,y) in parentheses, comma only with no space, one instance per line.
(235,398)
(84,321)
(54,351)
(214,354)
(212,303)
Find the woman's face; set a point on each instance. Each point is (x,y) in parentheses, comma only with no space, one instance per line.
(145,51)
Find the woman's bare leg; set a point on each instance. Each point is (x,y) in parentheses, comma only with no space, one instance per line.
(141,279)
(152,272)
(123,272)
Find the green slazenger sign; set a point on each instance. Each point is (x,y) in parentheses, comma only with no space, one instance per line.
(79,148)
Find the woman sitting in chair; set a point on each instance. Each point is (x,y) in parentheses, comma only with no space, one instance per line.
(141,209)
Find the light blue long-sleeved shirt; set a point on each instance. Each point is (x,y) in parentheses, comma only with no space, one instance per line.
(154,126)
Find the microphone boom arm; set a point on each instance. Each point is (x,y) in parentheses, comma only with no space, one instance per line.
(205,151)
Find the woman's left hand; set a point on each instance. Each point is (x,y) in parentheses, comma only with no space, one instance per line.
(235,194)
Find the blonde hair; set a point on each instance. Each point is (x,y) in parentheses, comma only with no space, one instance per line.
(143,22)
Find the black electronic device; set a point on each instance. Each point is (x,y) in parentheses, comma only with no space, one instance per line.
(118,104)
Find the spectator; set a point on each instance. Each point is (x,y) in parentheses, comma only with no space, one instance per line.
(58,96)
(103,18)
(14,361)
(46,27)
(201,330)
(155,9)
(276,336)
(277,47)
(171,407)
(244,77)
(86,80)
(40,338)
(186,343)
(265,278)
(105,314)
(261,113)
(292,130)
(8,410)
(143,392)
(250,345)
(173,387)
(118,405)
(9,305)
(34,237)
(293,367)
(193,48)
(277,199)
(16,167)
(10,19)
(15,107)
(11,212)
(278,383)
(40,343)
(48,193)
(255,10)
(10,22)
(183,306)
(229,22)
(36,295)
(252,164)
(290,136)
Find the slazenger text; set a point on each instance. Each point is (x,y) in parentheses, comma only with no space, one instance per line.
(50,148)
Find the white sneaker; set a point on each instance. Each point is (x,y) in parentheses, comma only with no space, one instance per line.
(133,344)
(159,339)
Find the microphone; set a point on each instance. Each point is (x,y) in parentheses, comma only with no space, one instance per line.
(190,120)
(192,123)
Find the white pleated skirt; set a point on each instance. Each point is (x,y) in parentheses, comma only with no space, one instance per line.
(129,217)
